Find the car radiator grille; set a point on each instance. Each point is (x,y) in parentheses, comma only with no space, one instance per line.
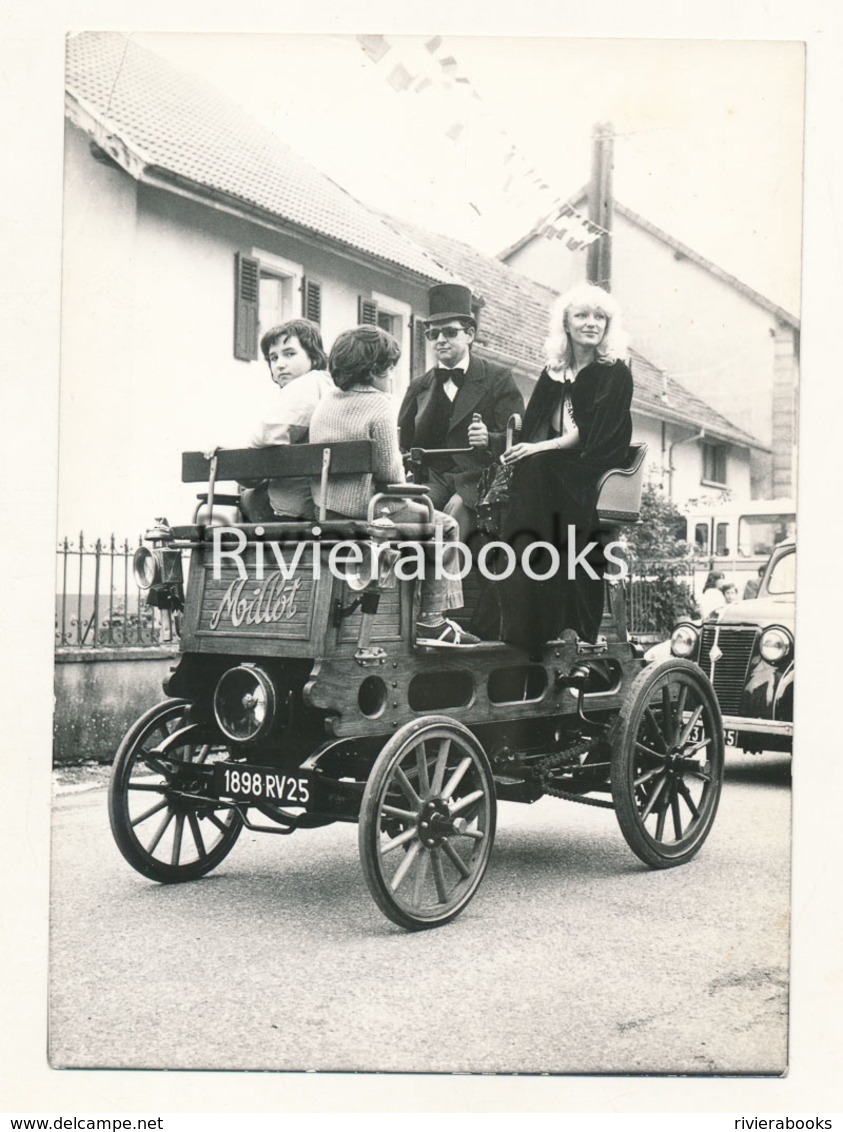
(727,672)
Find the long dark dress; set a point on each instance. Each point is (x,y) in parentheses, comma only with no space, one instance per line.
(555,489)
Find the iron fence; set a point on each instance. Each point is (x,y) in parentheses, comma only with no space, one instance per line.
(98,603)
(659,592)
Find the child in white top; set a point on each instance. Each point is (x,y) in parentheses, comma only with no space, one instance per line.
(297,365)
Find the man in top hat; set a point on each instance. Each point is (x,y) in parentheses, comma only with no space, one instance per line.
(464,402)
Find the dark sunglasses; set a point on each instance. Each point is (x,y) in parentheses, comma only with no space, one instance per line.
(433,332)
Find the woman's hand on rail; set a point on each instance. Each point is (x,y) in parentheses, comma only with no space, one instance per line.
(520,451)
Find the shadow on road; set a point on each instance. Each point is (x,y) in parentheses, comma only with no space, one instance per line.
(759,770)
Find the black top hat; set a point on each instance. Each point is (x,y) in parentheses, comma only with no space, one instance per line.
(450,300)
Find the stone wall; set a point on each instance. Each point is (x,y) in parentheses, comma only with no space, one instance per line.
(99,693)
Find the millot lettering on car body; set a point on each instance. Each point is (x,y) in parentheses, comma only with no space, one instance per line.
(273,600)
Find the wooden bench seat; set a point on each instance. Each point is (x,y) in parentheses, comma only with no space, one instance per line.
(323,460)
(330,530)
(350,456)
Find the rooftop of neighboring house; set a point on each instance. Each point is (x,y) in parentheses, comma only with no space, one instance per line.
(580,201)
(513,327)
(172,129)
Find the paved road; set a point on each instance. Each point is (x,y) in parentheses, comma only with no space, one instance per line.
(572,957)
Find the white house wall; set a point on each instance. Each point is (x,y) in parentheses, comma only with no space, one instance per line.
(549,262)
(147,367)
(647,430)
(708,335)
(96,425)
(686,482)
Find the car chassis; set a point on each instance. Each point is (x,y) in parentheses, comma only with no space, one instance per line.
(301,699)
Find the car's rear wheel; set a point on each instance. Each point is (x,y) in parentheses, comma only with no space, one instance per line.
(667,763)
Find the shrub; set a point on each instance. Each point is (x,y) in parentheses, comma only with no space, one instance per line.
(661,589)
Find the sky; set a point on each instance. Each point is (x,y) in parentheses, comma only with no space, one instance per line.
(708,134)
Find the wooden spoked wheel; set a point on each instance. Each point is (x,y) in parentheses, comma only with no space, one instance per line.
(163,817)
(667,763)
(427,822)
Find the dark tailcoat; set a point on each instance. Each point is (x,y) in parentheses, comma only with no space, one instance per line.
(551,490)
(490,390)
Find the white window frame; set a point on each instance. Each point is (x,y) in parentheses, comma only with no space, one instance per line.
(286,269)
(725,450)
(398,309)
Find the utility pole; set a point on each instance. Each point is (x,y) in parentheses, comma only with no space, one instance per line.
(600,209)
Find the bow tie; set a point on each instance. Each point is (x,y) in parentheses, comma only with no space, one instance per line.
(443,376)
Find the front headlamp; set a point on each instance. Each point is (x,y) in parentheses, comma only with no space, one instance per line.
(683,640)
(776,644)
(245,703)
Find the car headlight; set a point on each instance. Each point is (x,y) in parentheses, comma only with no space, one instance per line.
(683,640)
(776,644)
(244,703)
(159,572)
(146,567)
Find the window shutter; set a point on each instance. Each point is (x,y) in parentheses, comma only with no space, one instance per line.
(246,292)
(312,301)
(367,312)
(418,355)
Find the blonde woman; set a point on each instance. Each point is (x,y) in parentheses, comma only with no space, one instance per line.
(576,426)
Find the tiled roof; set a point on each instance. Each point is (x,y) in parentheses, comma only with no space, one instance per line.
(174,124)
(513,325)
(513,321)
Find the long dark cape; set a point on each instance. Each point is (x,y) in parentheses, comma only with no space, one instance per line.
(554,490)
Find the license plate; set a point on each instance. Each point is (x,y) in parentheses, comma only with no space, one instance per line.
(246,783)
(730,736)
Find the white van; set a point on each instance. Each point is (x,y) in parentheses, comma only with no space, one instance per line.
(738,538)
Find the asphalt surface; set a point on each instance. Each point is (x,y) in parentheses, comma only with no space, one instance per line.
(572,957)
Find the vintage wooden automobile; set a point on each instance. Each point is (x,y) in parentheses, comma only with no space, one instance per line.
(300,699)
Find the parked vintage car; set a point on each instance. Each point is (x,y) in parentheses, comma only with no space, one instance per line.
(747,651)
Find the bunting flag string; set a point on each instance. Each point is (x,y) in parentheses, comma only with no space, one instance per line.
(567,224)
(375,46)
(427,69)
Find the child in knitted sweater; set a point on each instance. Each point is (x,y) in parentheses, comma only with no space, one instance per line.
(359,408)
